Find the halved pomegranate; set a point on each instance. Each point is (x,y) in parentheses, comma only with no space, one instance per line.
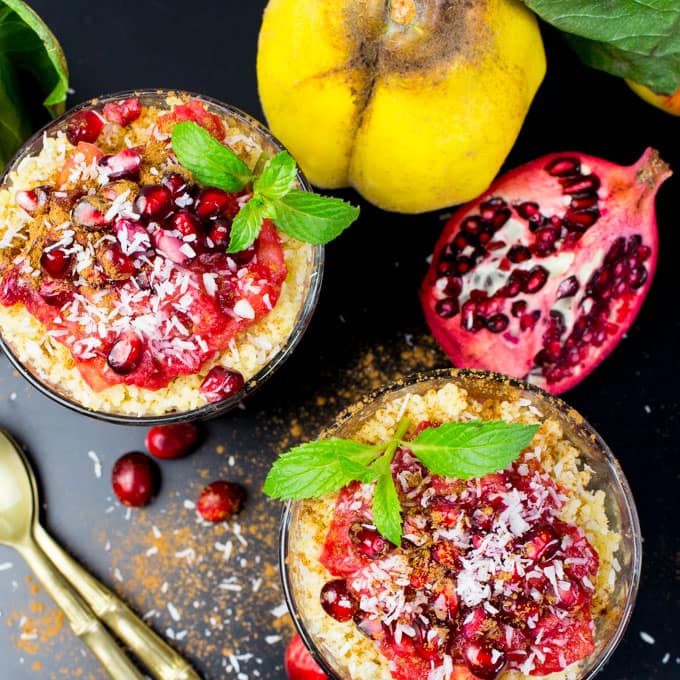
(542,275)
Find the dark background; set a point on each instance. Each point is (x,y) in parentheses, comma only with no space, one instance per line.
(368,327)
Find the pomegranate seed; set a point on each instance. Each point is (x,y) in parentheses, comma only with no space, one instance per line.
(637,277)
(462,265)
(430,643)
(33,201)
(337,601)
(115,263)
(299,663)
(473,623)
(587,184)
(175,249)
(446,554)
(219,233)
(518,254)
(536,279)
(171,441)
(185,223)
(132,236)
(90,212)
(568,288)
(528,210)
(55,262)
(445,601)
(500,217)
(175,183)
(154,202)
(10,289)
(497,323)
(564,166)
(444,513)
(518,307)
(580,220)
(220,500)
(447,307)
(368,542)
(124,112)
(483,660)
(134,479)
(211,202)
(540,543)
(569,595)
(243,257)
(125,353)
(84,126)
(583,200)
(56,293)
(220,384)
(472,225)
(125,163)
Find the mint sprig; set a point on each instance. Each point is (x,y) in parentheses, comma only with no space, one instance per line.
(303,215)
(458,450)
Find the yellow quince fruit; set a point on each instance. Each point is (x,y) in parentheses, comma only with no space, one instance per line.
(415,103)
(667,102)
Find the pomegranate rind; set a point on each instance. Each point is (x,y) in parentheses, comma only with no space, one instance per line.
(625,201)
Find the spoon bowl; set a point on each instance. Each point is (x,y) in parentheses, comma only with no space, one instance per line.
(18,493)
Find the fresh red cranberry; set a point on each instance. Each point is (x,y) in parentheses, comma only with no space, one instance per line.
(220,384)
(299,663)
(124,112)
(154,202)
(135,479)
(483,660)
(55,262)
(125,353)
(175,183)
(185,223)
(33,201)
(211,202)
(220,501)
(84,126)
(125,163)
(541,543)
(368,542)
(115,263)
(56,293)
(337,601)
(90,212)
(219,233)
(172,441)
(569,594)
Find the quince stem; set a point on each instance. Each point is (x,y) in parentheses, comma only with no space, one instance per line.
(403,12)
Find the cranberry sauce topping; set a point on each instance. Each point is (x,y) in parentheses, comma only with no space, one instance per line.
(487,577)
(127,265)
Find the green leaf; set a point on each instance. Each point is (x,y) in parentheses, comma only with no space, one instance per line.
(318,468)
(472,449)
(247,224)
(278,176)
(31,61)
(634,39)
(210,162)
(312,218)
(387,510)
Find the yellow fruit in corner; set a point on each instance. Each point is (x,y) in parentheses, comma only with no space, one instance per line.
(668,102)
(415,103)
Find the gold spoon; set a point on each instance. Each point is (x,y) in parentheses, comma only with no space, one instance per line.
(20,528)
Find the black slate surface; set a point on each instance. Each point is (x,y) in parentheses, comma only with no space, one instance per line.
(364,330)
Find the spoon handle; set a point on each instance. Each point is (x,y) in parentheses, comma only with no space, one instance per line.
(161,659)
(84,624)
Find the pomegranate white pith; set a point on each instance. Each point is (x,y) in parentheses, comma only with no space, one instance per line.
(541,276)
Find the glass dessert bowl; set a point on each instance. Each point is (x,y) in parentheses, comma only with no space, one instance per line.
(530,572)
(117,296)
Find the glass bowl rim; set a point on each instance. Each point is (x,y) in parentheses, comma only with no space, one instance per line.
(452,373)
(305,312)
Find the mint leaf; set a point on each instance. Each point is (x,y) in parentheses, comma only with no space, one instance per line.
(472,449)
(387,510)
(209,161)
(247,224)
(312,218)
(627,38)
(318,468)
(278,176)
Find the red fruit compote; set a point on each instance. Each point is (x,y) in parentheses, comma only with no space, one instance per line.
(511,575)
(116,290)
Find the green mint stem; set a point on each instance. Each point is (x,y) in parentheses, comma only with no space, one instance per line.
(384,462)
